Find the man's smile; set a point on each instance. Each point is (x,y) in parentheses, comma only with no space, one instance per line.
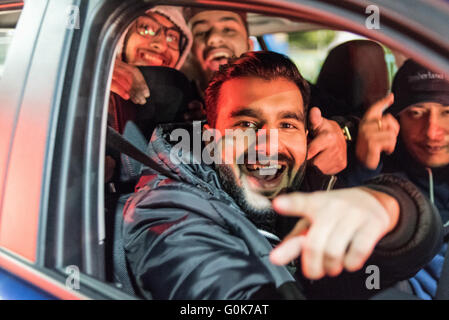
(214,58)
(151,58)
(264,179)
(433,149)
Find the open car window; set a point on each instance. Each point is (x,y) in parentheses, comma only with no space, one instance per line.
(308,45)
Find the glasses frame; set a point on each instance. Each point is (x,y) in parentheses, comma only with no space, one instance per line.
(182,39)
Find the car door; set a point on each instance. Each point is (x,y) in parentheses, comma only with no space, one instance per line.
(51,234)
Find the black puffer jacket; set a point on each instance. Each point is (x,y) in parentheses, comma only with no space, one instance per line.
(186,238)
(433,182)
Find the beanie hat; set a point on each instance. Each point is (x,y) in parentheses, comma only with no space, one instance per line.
(174,14)
(190,12)
(414,83)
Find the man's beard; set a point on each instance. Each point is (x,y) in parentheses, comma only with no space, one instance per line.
(263,218)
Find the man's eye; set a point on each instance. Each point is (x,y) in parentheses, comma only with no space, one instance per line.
(146,30)
(415,113)
(172,38)
(247,124)
(445,112)
(228,30)
(286,125)
(200,34)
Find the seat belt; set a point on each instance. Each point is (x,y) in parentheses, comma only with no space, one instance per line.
(116,141)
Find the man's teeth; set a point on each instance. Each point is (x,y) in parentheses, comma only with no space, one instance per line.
(219,55)
(262,167)
(268,171)
(152,59)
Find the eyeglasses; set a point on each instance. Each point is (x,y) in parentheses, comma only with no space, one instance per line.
(148,27)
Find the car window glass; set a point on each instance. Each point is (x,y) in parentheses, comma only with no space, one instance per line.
(308,49)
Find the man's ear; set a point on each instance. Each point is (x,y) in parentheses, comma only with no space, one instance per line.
(250,44)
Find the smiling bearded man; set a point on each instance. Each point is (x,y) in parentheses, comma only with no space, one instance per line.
(270,107)
(206,231)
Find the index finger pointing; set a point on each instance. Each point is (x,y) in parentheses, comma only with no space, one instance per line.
(287,251)
(377,109)
(294,204)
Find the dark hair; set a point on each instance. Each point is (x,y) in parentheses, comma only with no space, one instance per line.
(190,12)
(259,64)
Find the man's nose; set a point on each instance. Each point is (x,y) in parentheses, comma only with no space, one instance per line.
(159,43)
(215,38)
(434,129)
(267,142)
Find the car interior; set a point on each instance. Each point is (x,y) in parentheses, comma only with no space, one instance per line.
(354,71)
(351,67)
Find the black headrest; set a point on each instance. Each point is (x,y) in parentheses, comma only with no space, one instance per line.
(170,94)
(356,73)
